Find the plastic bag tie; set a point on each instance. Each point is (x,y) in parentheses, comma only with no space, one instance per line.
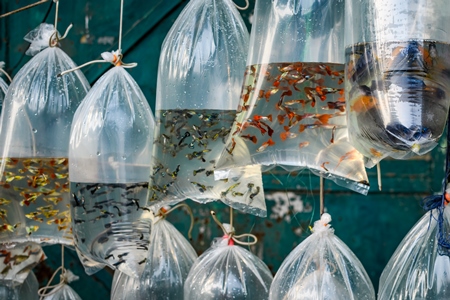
(43,36)
(230,234)
(162,214)
(113,57)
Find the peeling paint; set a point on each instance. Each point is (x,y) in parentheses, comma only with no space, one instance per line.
(285,204)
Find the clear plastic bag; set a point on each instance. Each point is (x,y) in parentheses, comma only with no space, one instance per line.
(322,267)
(28,290)
(397,62)
(228,271)
(168,262)
(63,291)
(110,153)
(16,263)
(199,79)
(34,138)
(416,270)
(292,109)
(3,87)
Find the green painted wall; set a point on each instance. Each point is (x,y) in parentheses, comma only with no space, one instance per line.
(372,226)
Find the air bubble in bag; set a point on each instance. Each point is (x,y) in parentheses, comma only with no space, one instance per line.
(110,152)
(322,267)
(292,109)
(34,138)
(416,271)
(199,80)
(228,271)
(170,257)
(397,71)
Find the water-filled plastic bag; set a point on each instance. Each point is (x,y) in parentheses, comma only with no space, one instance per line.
(63,291)
(416,270)
(170,257)
(34,138)
(322,267)
(397,71)
(199,79)
(228,271)
(17,262)
(3,90)
(109,155)
(28,290)
(292,109)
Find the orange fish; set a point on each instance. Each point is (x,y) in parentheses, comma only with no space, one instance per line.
(350,155)
(303,144)
(363,103)
(264,145)
(323,165)
(375,153)
(287,135)
(259,118)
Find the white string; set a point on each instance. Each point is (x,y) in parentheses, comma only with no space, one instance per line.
(232,235)
(247,4)
(162,214)
(379,176)
(322,202)
(2,65)
(23,8)
(54,288)
(120,27)
(55,38)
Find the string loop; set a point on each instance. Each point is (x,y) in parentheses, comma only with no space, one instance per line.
(247,4)
(231,234)
(162,214)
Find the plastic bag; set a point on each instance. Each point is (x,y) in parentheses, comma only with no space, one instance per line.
(16,263)
(322,267)
(199,79)
(64,291)
(170,257)
(416,270)
(110,152)
(28,290)
(292,108)
(397,62)
(3,86)
(34,138)
(227,271)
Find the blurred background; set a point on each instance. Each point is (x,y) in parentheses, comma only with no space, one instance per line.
(372,226)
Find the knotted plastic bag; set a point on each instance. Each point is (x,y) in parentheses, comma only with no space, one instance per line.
(416,270)
(34,138)
(170,257)
(292,108)
(16,263)
(322,267)
(28,290)
(110,152)
(199,79)
(63,291)
(397,70)
(228,271)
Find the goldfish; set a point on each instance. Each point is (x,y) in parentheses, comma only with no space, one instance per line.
(264,145)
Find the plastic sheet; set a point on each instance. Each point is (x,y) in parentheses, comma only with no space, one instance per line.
(16,263)
(28,290)
(416,270)
(322,267)
(170,257)
(199,79)
(34,138)
(397,66)
(292,109)
(110,152)
(3,87)
(227,271)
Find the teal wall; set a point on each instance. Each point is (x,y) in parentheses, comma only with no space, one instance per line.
(372,226)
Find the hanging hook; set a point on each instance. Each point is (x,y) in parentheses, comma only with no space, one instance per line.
(2,66)
(55,38)
(247,4)
(232,234)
